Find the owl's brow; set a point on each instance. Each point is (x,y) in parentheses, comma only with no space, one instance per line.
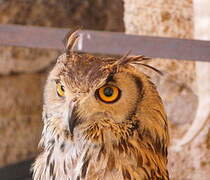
(56,80)
(110,78)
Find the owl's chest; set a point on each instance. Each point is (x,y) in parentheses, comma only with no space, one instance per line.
(68,161)
(73,162)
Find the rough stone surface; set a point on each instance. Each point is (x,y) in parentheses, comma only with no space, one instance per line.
(88,14)
(23,71)
(20,109)
(196,156)
(193,161)
(160,18)
(24,60)
(178,86)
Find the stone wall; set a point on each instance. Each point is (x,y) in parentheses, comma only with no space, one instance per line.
(23,71)
(174,18)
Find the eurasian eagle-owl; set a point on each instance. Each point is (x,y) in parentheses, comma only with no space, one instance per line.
(103,120)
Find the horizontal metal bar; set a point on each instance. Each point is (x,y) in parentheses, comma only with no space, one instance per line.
(106,42)
(19,171)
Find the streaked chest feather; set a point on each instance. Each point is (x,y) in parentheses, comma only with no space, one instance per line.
(127,159)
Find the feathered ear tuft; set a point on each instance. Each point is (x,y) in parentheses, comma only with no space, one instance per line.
(136,60)
(126,59)
(70,41)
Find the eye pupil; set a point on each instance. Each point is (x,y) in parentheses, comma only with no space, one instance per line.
(108,91)
(62,87)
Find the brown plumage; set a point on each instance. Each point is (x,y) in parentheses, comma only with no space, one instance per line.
(103,120)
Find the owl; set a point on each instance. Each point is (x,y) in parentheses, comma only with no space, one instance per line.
(103,120)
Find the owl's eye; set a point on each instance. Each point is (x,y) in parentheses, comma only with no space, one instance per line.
(60,89)
(108,93)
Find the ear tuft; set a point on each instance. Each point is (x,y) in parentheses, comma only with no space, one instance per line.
(70,41)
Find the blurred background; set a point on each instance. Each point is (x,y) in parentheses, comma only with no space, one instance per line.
(23,71)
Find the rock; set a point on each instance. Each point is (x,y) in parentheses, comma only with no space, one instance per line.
(89,14)
(159,18)
(20,116)
(23,60)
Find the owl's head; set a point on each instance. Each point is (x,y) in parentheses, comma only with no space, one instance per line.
(101,99)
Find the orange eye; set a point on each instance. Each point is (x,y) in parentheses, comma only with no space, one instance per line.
(60,89)
(108,93)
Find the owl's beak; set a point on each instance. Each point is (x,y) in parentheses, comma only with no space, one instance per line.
(71,116)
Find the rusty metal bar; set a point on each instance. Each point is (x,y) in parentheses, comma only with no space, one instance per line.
(106,42)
